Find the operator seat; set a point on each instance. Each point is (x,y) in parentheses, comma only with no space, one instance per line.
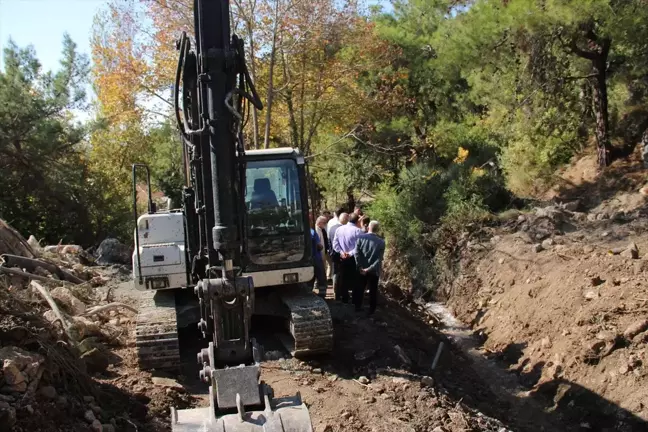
(263,195)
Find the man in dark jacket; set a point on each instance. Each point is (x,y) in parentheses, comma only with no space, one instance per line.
(369,252)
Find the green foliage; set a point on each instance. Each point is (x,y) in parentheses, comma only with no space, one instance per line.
(47,186)
(166,161)
(485,112)
(428,209)
(436,120)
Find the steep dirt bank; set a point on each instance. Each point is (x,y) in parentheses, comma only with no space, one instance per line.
(559,297)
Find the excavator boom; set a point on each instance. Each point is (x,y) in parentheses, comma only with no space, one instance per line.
(240,246)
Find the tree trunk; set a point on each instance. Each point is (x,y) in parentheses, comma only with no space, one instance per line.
(351,201)
(255,114)
(302,90)
(288,97)
(600,102)
(598,56)
(644,148)
(270,97)
(11,242)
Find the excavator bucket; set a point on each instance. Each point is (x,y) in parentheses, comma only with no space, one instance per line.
(288,414)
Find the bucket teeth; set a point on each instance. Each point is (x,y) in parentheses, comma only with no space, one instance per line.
(292,416)
(156,332)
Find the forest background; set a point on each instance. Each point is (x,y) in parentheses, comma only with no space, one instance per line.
(440,113)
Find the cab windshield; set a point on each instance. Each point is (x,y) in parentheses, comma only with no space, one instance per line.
(274,220)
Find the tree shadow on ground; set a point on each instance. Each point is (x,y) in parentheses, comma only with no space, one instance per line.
(625,174)
(580,408)
(510,354)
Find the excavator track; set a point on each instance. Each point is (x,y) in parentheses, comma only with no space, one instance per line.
(311,325)
(156,332)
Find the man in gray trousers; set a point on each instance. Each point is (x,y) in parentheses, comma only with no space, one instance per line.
(369,252)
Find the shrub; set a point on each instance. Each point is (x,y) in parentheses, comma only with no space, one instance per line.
(424,215)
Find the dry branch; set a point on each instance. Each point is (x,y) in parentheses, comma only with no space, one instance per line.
(31,264)
(11,241)
(48,297)
(111,306)
(29,275)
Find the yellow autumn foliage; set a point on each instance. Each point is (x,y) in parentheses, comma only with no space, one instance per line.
(462,155)
(478,172)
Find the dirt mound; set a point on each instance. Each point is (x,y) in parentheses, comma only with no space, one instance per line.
(67,349)
(559,298)
(614,189)
(46,384)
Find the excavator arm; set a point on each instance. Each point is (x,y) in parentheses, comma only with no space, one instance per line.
(210,124)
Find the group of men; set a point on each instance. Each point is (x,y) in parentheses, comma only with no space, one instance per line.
(348,252)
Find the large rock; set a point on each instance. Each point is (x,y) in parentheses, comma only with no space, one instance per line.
(635,328)
(19,368)
(168,383)
(34,244)
(48,392)
(95,360)
(82,327)
(111,251)
(14,379)
(65,297)
(571,206)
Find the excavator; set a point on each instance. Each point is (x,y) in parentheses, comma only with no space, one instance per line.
(240,246)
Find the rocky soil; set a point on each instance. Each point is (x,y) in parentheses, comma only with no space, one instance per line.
(379,378)
(76,369)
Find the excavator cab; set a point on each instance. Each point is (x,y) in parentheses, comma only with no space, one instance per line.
(278,248)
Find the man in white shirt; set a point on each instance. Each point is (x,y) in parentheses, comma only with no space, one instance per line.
(335,220)
(344,243)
